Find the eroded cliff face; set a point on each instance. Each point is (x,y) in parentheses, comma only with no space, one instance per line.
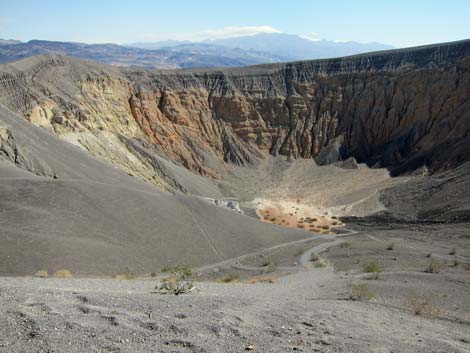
(400,109)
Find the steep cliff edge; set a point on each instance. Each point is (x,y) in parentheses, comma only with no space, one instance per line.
(400,109)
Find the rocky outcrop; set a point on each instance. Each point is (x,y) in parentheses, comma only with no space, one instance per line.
(14,152)
(400,109)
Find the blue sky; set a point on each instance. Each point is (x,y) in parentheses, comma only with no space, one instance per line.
(397,22)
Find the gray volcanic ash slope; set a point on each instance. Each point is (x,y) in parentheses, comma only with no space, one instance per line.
(62,208)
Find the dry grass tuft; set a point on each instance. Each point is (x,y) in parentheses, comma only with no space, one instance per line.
(262,279)
(63,273)
(124,276)
(42,274)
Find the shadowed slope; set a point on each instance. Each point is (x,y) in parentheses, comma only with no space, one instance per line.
(94,219)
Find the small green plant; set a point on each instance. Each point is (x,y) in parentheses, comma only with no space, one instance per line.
(373,268)
(361,291)
(391,246)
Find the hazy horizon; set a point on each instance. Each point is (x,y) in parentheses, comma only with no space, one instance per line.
(400,24)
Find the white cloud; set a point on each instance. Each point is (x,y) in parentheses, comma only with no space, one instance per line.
(213,34)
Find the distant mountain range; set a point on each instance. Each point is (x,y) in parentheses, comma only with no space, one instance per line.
(238,51)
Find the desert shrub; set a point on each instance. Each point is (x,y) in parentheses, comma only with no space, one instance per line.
(314,257)
(178,282)
(266,262)
(185,271)
(231,277)
(319,264)
(360,291)
(272,219)
(345,245)
(466,266)
(453,251)
(428,255)
(300,226)
(433,267)
(390,246)
(325,227)
(166,268)
(374,268)
(421,306)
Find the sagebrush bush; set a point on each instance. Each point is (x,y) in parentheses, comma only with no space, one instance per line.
(372,267)
(178,282)
(231,277)
(361,291)
(433,267)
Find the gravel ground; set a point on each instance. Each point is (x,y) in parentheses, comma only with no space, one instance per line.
(308,310)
